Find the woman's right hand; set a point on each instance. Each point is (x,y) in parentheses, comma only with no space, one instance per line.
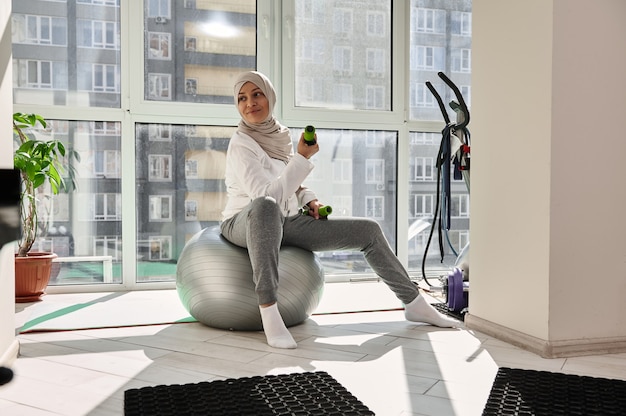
(306,150)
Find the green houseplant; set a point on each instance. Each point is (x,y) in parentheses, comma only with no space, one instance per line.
(40,163)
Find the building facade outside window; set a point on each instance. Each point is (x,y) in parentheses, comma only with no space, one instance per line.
(143,90)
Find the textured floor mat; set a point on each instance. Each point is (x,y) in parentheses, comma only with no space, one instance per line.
(539,393)
(311,393)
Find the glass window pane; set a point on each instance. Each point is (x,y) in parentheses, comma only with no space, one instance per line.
(355,173)
(343,54)
(40,43)
(193,49)
(170,211)
(440,40)
(180,169)
(84,226)
(423,151)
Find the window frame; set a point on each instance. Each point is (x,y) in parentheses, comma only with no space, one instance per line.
(275,57)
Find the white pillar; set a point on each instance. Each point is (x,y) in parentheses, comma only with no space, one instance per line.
(548,256)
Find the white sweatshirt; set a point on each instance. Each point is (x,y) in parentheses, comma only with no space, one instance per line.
(251,173)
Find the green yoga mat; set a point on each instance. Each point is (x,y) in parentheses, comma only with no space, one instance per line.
(61,312)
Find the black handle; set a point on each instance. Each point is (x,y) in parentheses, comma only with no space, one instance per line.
(442,107)
(459,98)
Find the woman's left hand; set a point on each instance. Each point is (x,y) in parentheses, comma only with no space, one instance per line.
(314,207)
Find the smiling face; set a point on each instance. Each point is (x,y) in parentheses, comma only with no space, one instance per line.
(252,103)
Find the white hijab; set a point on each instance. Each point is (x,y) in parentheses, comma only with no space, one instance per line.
(272,136)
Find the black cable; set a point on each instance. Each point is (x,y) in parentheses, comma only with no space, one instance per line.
(430,235)
(440,163)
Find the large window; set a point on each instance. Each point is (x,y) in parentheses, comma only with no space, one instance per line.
(181,171)
(355,166)
(66,56)
(144,91)
(194,48)
(84,227)
(343,52)
(423,176)
(440,41)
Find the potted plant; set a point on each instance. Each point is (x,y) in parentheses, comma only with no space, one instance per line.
(43,165)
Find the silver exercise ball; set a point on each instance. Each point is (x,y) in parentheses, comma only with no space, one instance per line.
(214,283)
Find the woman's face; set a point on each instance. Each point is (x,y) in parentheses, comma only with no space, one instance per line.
(252,103)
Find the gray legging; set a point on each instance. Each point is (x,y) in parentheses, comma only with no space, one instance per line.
(262,229)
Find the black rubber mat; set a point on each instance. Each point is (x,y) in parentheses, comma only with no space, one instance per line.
(443,308)
(539,393)
(311,393)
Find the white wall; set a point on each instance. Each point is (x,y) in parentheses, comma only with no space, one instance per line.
(8,344)
(589,69)
(510,212)
(548,247)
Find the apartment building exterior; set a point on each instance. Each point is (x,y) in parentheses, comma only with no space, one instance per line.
(68,53)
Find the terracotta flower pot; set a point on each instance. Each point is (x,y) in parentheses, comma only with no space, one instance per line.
(32,274)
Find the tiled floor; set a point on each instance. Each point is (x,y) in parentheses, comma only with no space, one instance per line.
(393,366)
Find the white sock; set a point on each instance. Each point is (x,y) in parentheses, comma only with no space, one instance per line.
(276,332)
(419,310)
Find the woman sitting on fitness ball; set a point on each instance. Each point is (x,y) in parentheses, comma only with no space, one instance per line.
(263,179)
